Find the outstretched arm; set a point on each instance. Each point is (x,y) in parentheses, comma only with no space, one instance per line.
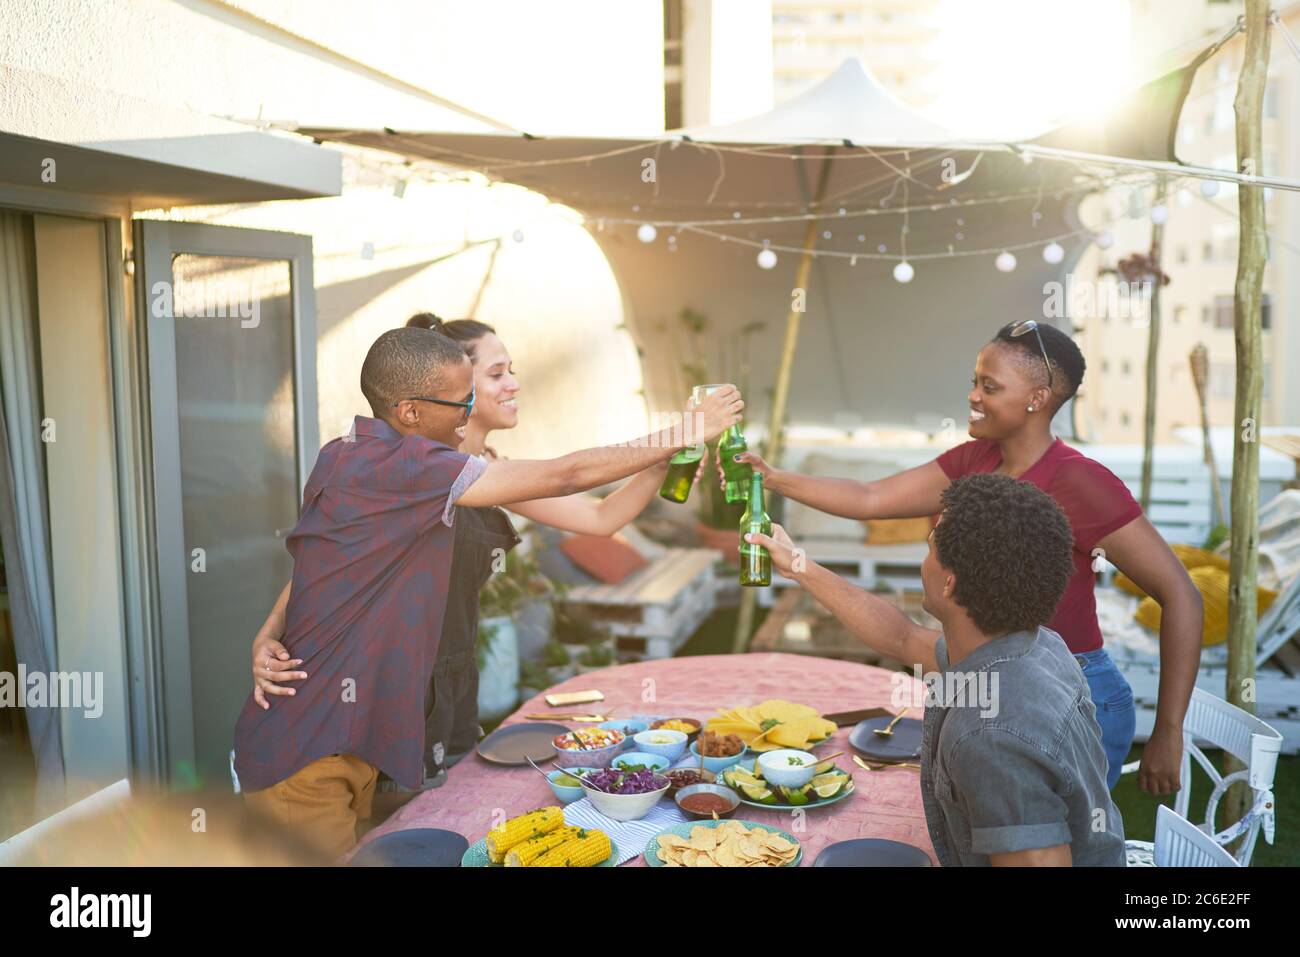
(872,620)
(909,494)
(503,482)
(589,515)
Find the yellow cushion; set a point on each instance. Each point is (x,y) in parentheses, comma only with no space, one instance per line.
(1212,583)
(895,531)
(1189,555)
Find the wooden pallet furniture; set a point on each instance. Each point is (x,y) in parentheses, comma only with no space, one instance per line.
(653,611)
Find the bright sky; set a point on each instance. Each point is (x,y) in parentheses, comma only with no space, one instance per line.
(1013,67)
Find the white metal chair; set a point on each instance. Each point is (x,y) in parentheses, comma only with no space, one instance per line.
(1219,724)
(1180,843)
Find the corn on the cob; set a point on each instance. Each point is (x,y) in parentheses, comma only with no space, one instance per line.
(523,855)
(587,849)
(519,829)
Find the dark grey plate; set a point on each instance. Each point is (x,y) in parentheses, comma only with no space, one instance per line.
(903,745)
(516,743)
(872,852)
(416,847)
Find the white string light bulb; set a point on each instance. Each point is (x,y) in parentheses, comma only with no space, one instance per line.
(646,233)
(1159,214)
(766,259)
(1005,261)
(1053,253)
(1209,188)
(1104,239)
(904,272)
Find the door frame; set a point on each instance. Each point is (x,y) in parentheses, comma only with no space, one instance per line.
(169,682)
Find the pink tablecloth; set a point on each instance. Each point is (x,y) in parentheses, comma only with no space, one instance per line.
(887,804)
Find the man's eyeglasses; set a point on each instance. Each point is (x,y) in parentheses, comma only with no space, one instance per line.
(467,405)
(1028,326)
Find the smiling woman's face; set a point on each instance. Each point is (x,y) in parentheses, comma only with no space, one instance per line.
(1001,393)
(495,405)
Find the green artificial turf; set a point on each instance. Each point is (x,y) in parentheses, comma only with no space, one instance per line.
(1139,809)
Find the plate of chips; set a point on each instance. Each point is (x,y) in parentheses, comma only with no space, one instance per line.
(774,724)
(723,844)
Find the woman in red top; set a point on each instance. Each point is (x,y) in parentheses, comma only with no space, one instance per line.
(1021,379)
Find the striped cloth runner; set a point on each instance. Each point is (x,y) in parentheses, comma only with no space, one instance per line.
(630,836)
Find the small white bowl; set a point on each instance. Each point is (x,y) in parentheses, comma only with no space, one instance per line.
(672,749)
(777,769)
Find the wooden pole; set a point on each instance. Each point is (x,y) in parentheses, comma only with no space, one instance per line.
(1153,356)
(776,420)
(1199,360)
(772,445)
(1251,255)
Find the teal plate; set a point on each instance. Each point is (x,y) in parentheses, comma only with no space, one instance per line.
(811,805)
(684,831)
(477,855)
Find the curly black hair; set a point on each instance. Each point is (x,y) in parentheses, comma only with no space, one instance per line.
(1009,545)
(1068,365)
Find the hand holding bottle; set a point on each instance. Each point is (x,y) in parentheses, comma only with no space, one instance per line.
(779,546)
(718,412)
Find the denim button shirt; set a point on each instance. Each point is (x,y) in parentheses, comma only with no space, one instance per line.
(1012,758)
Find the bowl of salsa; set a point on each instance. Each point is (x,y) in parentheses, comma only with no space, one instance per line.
(706,800)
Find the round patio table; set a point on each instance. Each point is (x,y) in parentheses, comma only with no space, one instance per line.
(887,803)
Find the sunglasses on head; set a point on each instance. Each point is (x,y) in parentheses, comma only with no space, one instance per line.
(467,405)
(1026,327)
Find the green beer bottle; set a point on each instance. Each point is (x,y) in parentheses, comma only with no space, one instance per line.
(736,474)
(681,474)
(755,561)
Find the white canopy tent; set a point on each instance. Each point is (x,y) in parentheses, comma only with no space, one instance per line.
(871,350)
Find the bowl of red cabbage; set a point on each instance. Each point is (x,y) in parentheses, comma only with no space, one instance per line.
(623,795)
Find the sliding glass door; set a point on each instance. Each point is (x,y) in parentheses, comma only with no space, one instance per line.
(231,343)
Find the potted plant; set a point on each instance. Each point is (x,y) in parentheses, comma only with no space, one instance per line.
(534,678)
(598,654)
(558,663)
(575,631)
(535,616)
(497,641)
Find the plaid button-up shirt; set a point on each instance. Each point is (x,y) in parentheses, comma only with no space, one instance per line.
(371,558)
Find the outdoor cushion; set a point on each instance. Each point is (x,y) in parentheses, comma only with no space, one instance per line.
(1212,583)
(552,561)
(609,559)
(897,531)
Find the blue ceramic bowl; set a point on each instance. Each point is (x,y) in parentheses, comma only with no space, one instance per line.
(587,757)
(717,765)
(571,793)
(655,762)
(672,747)
(629,728)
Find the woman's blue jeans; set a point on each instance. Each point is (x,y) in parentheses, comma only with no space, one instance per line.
(1116,713)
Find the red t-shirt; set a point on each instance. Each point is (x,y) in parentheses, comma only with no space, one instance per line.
(1095,502)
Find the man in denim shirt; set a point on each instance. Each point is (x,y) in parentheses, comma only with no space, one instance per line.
(1012,767)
